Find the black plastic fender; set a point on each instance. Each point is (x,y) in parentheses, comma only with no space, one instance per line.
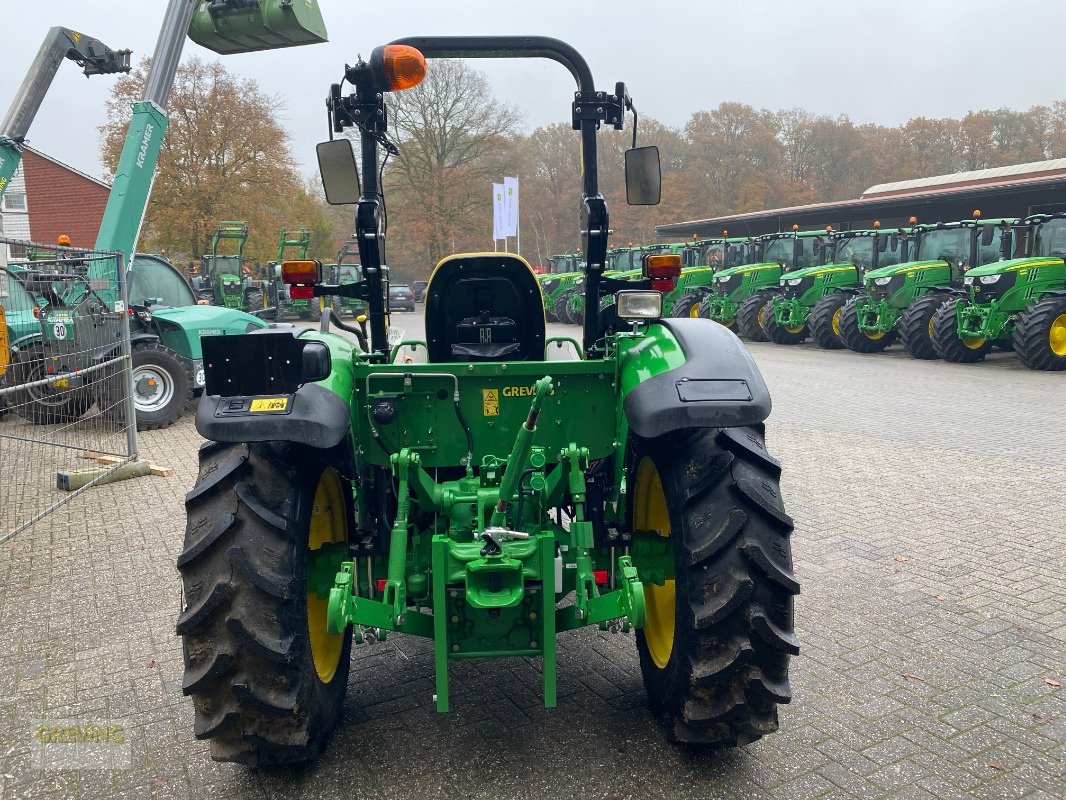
(718,386)
(313,416)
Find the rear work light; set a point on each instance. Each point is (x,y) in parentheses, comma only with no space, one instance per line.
(663,271)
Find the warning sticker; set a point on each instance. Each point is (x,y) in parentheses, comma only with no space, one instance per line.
(490,402)
(269,404)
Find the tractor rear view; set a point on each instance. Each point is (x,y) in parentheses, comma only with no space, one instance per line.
(488,500)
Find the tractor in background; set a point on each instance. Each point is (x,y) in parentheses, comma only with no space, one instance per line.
(702,258)
(809,300)
(346,271)
(900,300)
(1018,303)
(742,294)
(299,241)
(488,500)
(223,280)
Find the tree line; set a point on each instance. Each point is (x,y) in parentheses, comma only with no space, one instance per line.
(223,158)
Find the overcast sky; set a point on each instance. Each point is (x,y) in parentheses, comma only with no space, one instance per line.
(873,60)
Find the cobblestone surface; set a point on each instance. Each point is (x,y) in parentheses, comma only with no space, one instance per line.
(930,538)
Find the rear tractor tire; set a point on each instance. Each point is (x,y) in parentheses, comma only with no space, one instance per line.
(315,306)
(824,321)
(751,314)
(266,678)
(947,342)
(855,338)
(916,325)
(1040,335)
(716,644)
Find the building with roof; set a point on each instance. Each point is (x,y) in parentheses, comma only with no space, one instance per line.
(1014,191)
(47,198)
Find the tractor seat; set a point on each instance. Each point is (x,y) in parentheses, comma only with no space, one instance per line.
(484,307)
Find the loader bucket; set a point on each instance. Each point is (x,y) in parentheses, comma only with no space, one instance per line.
(237,26)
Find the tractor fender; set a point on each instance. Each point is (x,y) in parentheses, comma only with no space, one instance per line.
(717,386)
(135,338)
(317,418)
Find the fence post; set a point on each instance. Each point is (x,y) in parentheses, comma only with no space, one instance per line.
(130,413)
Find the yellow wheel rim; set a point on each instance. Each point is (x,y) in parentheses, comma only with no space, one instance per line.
(836,322)
(328,524)
(650,514)
(795,329)
(694,310)
(973,342)
(874,335)
(762,314)
(729,323)
(931,319)
(1057,335)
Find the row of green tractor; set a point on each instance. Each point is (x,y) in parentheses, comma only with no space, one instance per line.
(953,290)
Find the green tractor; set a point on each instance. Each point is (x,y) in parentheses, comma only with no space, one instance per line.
(298,240)
(900,300)
(742,293)
(703,257)
(694,276)
(222,280)
(621,262)
(809,300)
(1019,303)
(346,271)
(488,500)
(563,271)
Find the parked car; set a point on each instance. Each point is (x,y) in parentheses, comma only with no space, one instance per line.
(419,290)
(401,298)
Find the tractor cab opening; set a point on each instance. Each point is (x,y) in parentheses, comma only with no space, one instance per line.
(484,307)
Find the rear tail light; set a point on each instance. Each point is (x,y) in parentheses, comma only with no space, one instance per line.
(301,273)
(663,271)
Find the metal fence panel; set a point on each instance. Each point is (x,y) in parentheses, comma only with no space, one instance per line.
(67,418)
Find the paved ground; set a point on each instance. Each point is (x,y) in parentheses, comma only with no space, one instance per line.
(931,524)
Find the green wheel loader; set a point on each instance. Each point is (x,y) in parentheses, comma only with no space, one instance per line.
(810,299)
(742,294)
(899,301)
(1018,303)
(223,280)
(298,240)
(488,500)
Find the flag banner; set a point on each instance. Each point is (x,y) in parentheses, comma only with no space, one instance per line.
(498,226)
(510,206)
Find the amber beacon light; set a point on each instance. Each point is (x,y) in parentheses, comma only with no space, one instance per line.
(397,67)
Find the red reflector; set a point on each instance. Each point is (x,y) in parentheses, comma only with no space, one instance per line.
(381,585)
(601,576)
(301,292)
(663,285)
